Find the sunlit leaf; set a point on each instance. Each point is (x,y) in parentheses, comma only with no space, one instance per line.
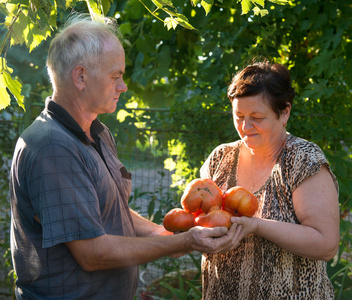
(63,3)
(260,2)
(246,6)
(195,2)
(12,9)
(24,30)
(4,96)
(35,36)
(14,86)
(183,21)
(261,12)
(161,3)
(280,2)
(170,23)
(169,164)
(94,10)
(207,5)
(18,27)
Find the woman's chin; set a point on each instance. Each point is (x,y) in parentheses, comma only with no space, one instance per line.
(250,143)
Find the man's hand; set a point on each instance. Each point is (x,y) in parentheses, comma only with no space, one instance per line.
(213,240)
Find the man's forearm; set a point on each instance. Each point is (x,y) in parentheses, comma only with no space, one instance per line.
(108,251)
(145,227)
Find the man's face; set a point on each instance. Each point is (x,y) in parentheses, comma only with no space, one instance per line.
(105,84)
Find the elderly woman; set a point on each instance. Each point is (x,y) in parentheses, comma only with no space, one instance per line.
(285,246)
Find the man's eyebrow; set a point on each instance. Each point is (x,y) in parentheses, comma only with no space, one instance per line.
(119,72)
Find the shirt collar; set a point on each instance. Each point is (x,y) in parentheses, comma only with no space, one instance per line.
(63,117)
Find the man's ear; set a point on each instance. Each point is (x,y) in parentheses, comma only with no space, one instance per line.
(79,77)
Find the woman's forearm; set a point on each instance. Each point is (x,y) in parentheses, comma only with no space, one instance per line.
(299,239)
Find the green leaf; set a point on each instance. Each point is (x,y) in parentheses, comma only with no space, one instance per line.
(319,63)
(280,2)
(183,21)
(94,11)
(260,2)
(160,3)
(170,23)
(195,288)
(334,66)
(25,30)
(145,45)
(246,6)
(65,3)
(125,28)
(36,36)
(262,12)
(151,207)
(207,5)
(325,62)
(18,28)
(195,2)
(5,99)
(106,4)
(3,9)
(12,85)
(164,58)
(43,20)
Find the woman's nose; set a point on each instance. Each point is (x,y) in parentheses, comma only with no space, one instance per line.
(246,124)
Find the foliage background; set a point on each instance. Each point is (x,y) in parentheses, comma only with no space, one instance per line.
(184,73)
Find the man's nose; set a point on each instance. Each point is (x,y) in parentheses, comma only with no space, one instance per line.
(121,87)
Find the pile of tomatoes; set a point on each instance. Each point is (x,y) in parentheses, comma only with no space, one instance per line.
(205,205)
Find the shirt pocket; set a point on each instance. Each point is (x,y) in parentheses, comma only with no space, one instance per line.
(124,183)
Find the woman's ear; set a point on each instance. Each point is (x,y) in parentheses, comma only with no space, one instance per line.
(79,77)
(286,114)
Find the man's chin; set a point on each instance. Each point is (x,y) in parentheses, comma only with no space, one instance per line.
(112,108)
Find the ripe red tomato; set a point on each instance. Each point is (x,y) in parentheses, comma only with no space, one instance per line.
(178,220)
(214,218)
(201,194)
(197,213)
(240,202)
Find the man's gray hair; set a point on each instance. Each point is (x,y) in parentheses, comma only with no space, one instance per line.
(80,41)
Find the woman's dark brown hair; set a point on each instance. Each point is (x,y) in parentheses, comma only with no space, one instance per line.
(273,81)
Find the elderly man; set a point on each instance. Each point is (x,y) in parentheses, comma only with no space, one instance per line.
(73,234)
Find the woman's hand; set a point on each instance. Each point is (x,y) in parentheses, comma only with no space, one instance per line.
(249,225)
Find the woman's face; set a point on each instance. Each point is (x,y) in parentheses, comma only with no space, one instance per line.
(257,124)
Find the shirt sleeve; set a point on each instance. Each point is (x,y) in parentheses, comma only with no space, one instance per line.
(306,160)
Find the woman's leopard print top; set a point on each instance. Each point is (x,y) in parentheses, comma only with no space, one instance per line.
(258,269)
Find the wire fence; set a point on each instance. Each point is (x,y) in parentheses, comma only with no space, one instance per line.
(153,186)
